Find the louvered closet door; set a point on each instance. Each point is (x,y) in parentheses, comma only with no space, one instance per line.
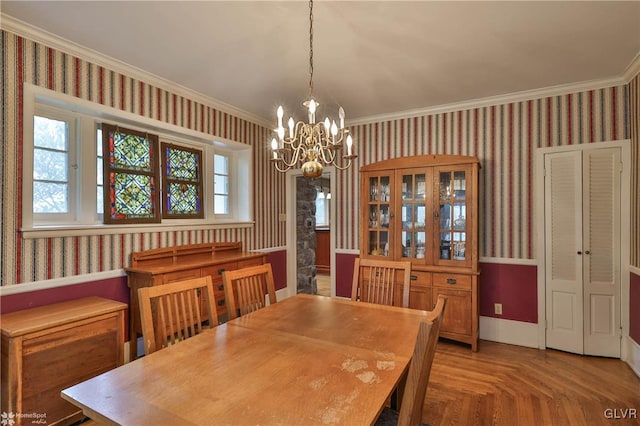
(601,259)
(582,230)
(563,236)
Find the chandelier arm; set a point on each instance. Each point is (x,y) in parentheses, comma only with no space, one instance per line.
(343,167)
(294,158)
(331,154)
(282,170)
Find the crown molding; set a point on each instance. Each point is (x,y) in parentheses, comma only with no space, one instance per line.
(633,69)
(31,32)
(526,95)
(23,29)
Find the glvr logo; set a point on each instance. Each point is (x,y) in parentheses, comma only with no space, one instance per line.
(621,413)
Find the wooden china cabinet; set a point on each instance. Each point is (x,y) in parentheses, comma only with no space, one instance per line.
(425,209)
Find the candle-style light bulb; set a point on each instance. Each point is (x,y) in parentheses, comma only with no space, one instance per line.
(274,147)
(291,123)
(334,129)
(349,144)
(281,132)
(312,111)
(341,115)
(327,124)
(280,113)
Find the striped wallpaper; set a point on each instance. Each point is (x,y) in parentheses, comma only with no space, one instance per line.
(27,260)
(634,114)
(504,137)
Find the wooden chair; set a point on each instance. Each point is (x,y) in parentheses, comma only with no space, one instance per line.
(173,312)
(375,281)
(245,289)
(415,389)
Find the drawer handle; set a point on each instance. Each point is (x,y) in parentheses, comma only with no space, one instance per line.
(221,302)
(451,280)
(414,277)
(220,271)
(221,287)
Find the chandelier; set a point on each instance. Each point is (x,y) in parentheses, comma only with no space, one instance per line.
(312,144)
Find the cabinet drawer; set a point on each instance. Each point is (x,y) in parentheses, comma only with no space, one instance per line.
(250,262)
(171,277)
(420,278)
(453,281)
(216,271)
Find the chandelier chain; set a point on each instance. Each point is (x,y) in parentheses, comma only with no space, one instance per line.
(314,144)
(310,47)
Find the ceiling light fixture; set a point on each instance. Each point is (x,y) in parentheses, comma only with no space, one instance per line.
(313,144)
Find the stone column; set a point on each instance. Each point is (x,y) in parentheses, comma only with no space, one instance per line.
(306,235)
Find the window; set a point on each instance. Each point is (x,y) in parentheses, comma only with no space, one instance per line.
(88,166)
(99,174)
(131,172)
(221,184)
(182,182)
(52,168)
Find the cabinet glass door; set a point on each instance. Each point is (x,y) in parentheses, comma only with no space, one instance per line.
(452,215)
(379,214)
(413,210)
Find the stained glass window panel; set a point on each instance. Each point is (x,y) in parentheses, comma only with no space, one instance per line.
(183,199)
(130,152)
(131,196)
(182,195)
(181,164)
(131,192)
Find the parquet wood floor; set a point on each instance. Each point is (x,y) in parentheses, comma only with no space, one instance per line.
(516,386)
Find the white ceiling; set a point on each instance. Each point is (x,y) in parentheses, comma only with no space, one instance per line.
(371,57)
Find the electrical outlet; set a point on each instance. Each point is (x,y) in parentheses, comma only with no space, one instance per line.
(498,308)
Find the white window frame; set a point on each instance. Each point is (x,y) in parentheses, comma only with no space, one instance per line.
(87,116)
(72,169)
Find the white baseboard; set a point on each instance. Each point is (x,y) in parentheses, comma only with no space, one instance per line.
(508,331)
(283,293)
(126,351)
(631,354)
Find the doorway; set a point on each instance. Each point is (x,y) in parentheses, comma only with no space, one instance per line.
(582,248)
(328,179)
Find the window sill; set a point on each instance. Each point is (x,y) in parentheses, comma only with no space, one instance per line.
(50,231)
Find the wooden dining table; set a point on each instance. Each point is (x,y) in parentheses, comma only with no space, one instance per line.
(304,360)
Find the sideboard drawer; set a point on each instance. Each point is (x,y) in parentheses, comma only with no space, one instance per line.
(217,270)
(453,281)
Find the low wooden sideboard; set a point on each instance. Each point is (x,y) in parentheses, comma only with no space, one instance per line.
(170,264)
(49,348)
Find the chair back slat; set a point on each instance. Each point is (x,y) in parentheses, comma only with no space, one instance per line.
(245,289)
(415,388)
(173,312)
(376,281)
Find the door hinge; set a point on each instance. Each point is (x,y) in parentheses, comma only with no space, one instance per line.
(620,167)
